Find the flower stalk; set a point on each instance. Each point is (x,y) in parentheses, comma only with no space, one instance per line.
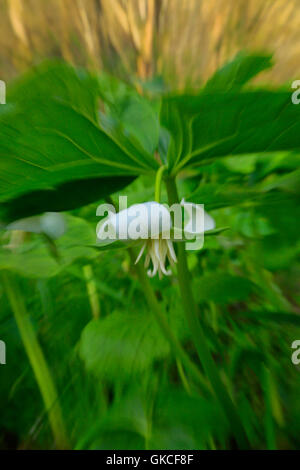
(158,182)
(155,309)
(92,290)
(152,301)
(37,360)
(198,336)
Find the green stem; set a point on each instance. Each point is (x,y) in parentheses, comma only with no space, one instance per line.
(158,181)
(184,380)
(179,352)
(92,290)
(161,320)
(37,360)
(268,418)
(199,336)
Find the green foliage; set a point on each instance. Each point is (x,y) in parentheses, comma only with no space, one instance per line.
(129,117)
(121,345)
(37,259)
(67,160)
(223,288)
(236,123)
(238,72)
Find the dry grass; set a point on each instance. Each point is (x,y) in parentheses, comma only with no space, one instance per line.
(183,40)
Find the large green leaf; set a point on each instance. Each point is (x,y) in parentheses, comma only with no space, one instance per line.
(222,119)
(53,154)
(165,418)
(236,123)
(171,122)
(34,259)
(182,421)
(55,79)
(129,117)
(120,345)
(277,318)
(223,288)
(232,76)
(238,72)
(216,196)
(52,158)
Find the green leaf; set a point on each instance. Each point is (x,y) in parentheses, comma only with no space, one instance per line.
(116,245)
(289,182)
(222,120)
(216,196)
(34,259)
(170,120)
(46,164)
(65,196)
(184,421)
(236,123)
(179,111)
(120,440)
(238,72)
(252,227)
(223,288)
(121,345)
(279,318)
(129,117)
(53,155)
(74,244)
(141,121)
(57,80)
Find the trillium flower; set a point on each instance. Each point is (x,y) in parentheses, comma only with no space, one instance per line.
(150,224)
(198,222)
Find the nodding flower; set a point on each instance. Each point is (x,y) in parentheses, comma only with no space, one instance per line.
(150,223)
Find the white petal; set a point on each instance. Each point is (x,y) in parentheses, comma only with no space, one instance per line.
(209,222)
(162,259)
(141,221)
(53,224)
(155,267)
(147,261)
(172,251)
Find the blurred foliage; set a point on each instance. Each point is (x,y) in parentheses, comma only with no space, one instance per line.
(71,138)
(183,41)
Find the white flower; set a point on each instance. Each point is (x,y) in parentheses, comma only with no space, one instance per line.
(151,223)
